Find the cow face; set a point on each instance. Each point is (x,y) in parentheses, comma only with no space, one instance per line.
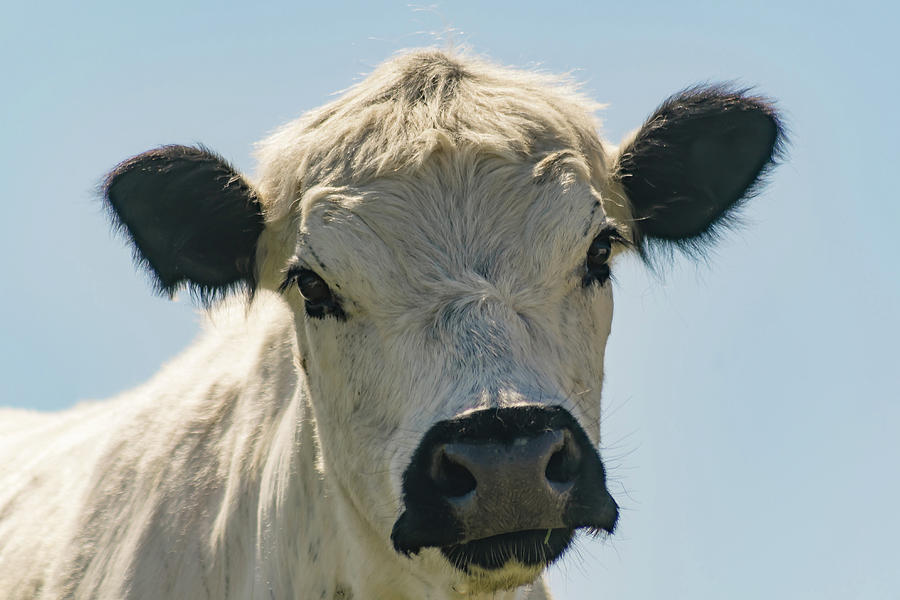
(446,234)
(464,305)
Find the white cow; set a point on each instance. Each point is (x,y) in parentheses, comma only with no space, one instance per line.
(405,403)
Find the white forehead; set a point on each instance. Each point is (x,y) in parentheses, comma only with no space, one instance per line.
(462,222)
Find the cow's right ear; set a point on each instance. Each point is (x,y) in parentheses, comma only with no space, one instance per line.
(191,217)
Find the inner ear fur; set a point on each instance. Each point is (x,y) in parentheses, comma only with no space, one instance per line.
(701,153)
(191,217)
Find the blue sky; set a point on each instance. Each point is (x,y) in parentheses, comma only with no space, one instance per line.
(752,424)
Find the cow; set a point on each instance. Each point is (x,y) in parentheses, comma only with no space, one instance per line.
(397,392)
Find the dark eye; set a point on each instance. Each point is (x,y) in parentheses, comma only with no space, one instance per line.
(595,265)
(313,288)
(320,301)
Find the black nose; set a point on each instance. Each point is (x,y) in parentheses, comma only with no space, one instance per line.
(497,482)
(495,487)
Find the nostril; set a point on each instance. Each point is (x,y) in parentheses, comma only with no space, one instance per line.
(452,479)
(565,463)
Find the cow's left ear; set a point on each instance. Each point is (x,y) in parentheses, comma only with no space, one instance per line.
(695,159)
(191,217)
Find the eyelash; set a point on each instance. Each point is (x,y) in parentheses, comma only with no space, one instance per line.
(600,273)
(290,277)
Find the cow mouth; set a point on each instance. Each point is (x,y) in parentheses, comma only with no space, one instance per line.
(531,548)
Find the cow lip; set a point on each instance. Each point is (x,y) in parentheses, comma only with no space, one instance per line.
(530,548)
(452,540)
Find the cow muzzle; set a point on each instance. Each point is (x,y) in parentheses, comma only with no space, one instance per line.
(501,485)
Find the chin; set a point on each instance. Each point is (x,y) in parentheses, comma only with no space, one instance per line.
(506,561)
(485,581)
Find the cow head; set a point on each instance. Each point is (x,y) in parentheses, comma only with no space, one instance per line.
(446,235)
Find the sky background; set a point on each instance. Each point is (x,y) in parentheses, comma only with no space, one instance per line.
(752,403)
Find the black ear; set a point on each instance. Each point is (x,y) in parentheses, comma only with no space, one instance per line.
(700,154)
(191,217)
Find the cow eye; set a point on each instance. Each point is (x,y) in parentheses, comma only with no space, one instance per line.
(313,288)
(595,264)
(318,298)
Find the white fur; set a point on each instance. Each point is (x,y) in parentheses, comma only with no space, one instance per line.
(452,218)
